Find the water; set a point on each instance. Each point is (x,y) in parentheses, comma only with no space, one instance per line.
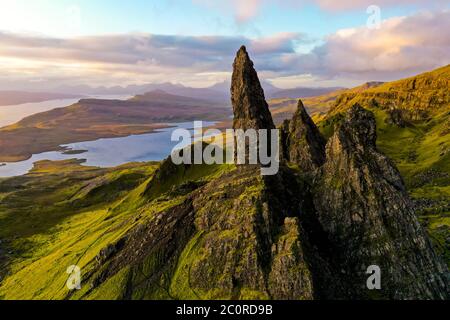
(109,152)
(14,113)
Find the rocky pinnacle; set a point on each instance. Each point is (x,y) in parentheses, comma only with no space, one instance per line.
(364,208)
(250,108)
(302,142)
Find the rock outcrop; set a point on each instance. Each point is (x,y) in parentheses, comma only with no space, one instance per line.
(234,234)
(301,141)
(250,108)
(363,207)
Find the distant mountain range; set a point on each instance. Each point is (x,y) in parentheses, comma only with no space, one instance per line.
(19,97)
(175,89)
(219,92)
(162,97)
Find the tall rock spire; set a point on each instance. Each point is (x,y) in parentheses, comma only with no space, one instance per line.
(302,142)
(250,108)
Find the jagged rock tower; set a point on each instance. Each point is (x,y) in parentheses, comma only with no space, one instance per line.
(302,142)
(364,208)
(250,108)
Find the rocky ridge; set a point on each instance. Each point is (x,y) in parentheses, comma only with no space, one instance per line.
(309,232)
(368,216)
(401,98)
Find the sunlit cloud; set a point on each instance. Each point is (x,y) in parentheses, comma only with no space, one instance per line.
(141,57)
(403,46)
(245,11)
(342,5)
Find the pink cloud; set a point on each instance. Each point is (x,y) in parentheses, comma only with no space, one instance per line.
(407,44)
(245,10)
(403,46)
(275,44)
(341,5)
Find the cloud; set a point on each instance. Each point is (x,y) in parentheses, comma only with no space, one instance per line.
(243,11)
(246,10)
(131,49)
(403,46)
(342,5)
(132,57)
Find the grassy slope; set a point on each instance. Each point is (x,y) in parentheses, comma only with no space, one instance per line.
(422,154)
(64,214)
(423,96)
(58,216)
(152,200)
(317,107)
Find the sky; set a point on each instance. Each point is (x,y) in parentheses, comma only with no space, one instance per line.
(45,44)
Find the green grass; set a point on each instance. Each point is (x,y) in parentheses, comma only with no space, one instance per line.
(46,230)
(180,283)
(64,214)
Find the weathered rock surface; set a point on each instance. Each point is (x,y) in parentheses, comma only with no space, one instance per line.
(288,258)
(364,208)
(250,108)
(301,141)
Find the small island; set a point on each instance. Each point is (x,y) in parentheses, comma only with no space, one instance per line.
(74,152)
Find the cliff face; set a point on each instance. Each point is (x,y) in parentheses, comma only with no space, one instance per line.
(224,233)
(363,206)
(250,108)
(226,238)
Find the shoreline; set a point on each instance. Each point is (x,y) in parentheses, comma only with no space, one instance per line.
(60,146)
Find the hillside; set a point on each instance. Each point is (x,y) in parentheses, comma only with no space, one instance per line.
(412,118)
(302,92)
(317,106)
(91,119)
(166,231)
(415,98)
(163,98)
(413,128)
